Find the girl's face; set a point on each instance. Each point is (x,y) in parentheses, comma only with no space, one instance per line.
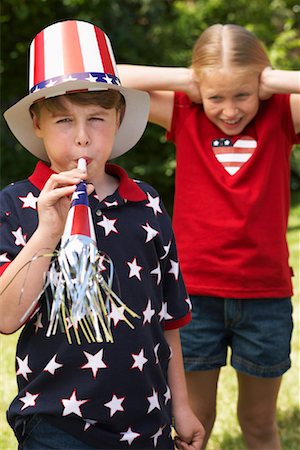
(230,100)
(82,131)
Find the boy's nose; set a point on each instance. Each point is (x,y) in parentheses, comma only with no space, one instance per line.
(82,137)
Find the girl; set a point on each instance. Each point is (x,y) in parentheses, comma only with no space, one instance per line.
(234,121)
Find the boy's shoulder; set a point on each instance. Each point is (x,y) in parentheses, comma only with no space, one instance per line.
(17,187)
(146,187)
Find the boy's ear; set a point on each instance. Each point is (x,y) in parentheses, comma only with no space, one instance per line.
(36,124)
(118,119)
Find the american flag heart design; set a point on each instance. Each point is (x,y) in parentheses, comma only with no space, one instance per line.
(231,155)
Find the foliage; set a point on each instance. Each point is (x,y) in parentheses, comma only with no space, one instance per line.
(142,32)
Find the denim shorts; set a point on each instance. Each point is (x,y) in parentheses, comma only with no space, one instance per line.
(258,331)
(41,435)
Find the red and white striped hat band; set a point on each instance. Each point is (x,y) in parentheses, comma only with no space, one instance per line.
(71,50)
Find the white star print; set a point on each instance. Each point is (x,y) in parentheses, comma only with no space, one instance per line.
(72,405)
(163,313)
(101,263)
(115,404)
(76,195)
(188,301)
(117,314)
(52,366)
(148,313)
(88,423)
(51,83)
(110,204)
(174,269)
(107,79)
(20,238)
(28,400)
(153,401)
(134,269)
(151,232)
(29,201)
(154,204)
(156,436)
(129,436)
(167,395)
(139,360)
(91,78)
(23,369)
(108,225)
(4,258)
(156,353)
(95,362)
(38,323)
(157,272)
(166,249)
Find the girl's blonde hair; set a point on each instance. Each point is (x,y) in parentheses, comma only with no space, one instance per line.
(228,46)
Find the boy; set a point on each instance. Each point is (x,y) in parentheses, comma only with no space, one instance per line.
(93,395)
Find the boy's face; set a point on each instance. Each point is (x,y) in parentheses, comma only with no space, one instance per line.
(230,100)
(82,131)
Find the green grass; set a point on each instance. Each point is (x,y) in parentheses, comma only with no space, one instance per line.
(226,434)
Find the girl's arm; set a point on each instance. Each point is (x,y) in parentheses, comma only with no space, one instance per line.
(188,428)
(23,279)
(283,81)
(160,82)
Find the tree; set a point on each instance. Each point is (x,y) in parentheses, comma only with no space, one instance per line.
(160,32)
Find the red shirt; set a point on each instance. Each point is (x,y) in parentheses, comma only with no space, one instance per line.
(231,229)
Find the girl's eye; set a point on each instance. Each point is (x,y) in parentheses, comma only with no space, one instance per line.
(97,118)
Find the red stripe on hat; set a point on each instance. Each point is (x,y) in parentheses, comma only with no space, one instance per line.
(72,56)
(39,60)
(81,224)
(104,52)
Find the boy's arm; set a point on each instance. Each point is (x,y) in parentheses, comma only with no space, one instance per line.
(189,430)
(160,83)
(283,81)
(23,279)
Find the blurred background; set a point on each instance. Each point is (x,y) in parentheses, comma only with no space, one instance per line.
(155,32)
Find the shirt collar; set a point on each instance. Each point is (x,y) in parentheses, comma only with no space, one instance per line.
(128,189)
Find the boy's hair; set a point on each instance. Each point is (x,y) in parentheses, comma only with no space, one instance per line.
(107,99)
(228,46)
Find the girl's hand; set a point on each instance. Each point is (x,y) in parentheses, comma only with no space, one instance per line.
(193,88)
(54,201)
(264,91)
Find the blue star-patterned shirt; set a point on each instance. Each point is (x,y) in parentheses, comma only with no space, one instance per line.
(109,395)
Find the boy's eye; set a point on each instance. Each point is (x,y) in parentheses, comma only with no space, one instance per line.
(63,120)
(97,118)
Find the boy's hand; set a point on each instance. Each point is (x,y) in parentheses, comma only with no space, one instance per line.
(54,201)
(189,431)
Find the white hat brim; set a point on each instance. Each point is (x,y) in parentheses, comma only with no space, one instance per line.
(132,127)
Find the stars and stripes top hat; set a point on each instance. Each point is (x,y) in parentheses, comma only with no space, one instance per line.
(71,56)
